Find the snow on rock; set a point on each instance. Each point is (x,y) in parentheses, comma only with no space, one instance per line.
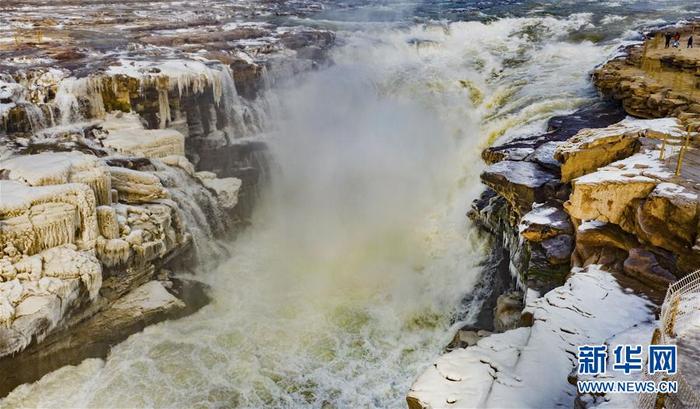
(225,189)
(148,297)
(36,218)
(528,367)
(519,182)
(127,135)
(544,222)
(56,168)
(591,149)
(640,334)
(655,127)
(606,195)
(136,187)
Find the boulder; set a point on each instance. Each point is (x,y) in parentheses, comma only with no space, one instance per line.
(609,194)
(668,218)
(225,189)
(558,249)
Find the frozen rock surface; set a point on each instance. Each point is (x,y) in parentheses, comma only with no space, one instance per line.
(127,135)
(528,367)
(77,231)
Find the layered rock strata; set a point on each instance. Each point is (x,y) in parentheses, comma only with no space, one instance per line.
(615,206)
(126,154)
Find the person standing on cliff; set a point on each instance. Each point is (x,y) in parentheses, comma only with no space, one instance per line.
(690,41)
(668,39)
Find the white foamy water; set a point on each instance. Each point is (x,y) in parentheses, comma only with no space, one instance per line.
(347,284)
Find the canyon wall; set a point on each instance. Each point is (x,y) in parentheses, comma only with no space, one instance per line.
(593,220)
(122,167)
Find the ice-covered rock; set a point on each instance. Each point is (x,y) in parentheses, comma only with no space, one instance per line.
(56,168)
(127,135)
(225,189)
(37,218)
(528,367)
(136,187)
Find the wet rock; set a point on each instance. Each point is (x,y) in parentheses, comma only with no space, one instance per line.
(509,306)
(520,183)
(643,265)
(544,222)
(297,39)
(602,243)
(558,249)
(559,128)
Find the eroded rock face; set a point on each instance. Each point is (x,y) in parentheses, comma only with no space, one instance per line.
(591,149)
(507,312)
(520,183)
(643,265)
(635,195)
(65,254)
(667,217)
(650,80)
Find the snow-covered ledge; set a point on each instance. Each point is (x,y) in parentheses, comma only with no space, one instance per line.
(528,367)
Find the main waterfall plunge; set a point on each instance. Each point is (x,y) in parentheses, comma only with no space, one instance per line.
(353,272)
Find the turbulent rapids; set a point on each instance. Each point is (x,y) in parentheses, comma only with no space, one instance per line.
(355,270)
(360,253)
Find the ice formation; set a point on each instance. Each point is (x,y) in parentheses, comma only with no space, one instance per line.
(60,168)
(126,135)
(67,217)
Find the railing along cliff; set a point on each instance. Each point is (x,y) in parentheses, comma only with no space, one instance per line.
(682,298)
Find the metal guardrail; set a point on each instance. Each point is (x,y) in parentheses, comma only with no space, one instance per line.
(685,145)
(682,298)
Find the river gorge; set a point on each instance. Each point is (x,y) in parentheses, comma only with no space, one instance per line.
(354,264)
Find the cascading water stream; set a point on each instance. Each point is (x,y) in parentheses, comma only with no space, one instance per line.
(351,277)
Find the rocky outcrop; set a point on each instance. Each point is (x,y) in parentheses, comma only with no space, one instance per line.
(636,195)
(650,80)
(520,183)
(80,234)
(610,200)
(497,371)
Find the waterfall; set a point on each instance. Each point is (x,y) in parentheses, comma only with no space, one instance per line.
(202,216)
(351,277)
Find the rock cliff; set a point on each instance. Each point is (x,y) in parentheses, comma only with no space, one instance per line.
(125,155)
(598,203)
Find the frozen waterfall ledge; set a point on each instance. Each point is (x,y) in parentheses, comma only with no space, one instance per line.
(87,243)
(528,367)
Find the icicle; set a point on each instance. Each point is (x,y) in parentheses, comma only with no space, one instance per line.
(163,108)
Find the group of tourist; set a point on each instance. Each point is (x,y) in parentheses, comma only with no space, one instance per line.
(674,40)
